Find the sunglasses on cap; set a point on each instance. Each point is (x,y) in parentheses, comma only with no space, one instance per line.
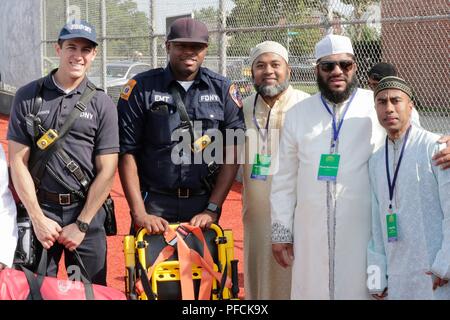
(328,66)
(376,77)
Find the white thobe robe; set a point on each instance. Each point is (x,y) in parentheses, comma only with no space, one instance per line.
(264,278)
(8,223)
(329,223)
(421,201)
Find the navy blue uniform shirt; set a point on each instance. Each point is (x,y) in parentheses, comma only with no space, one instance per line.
(94,133)
(148,116)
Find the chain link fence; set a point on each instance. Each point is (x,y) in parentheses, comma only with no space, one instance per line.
(411,34)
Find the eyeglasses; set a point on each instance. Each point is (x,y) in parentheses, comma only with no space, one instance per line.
(328,66)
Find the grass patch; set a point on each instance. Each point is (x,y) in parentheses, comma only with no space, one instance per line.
(310,88)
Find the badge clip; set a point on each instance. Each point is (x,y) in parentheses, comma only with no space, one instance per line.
(201,143)
(47,139)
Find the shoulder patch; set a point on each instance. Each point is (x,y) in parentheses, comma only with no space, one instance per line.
(127,89)
(235,95)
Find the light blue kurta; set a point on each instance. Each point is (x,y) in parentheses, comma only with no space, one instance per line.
(422,203)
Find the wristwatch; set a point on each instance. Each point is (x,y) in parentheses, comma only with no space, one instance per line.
(82,226)
(214,208)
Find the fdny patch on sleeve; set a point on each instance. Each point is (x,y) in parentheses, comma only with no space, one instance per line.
(235,95)
(127,89)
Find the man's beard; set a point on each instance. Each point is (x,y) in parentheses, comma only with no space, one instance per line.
(271,90)
(333,96)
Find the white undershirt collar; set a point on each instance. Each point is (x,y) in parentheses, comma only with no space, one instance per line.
(186,84)
(66,91)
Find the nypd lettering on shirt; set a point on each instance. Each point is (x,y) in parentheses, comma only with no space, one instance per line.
(86,115)
(209,98)
(161,96)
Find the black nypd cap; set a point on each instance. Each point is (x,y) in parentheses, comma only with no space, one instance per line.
(381,70)
(78,29)
(188,30)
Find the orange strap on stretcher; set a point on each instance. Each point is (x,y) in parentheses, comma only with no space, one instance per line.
(187,256)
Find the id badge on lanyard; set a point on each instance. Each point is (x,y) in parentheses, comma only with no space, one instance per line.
(328,167)
(391,227)
(391,217)
(329,162)
(261,167)
(262,161)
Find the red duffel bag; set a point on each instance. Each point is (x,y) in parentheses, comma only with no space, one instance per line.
(26,285)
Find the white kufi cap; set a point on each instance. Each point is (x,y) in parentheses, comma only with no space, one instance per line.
(268,47)
(333,44)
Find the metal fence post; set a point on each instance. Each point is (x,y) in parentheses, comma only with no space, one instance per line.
(329,17)
(222,39)
(43,46)
(66,10)
(86,5)
(103,21)
(153,38)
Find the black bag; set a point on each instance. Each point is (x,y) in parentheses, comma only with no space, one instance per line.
(28,249)
(110,219)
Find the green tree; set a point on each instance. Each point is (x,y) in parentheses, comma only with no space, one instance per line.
(361,32)
(269,13)
(365,39)
(355,32)
(211,17)
(124,22)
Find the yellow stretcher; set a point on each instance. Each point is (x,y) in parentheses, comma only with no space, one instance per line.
(164,282)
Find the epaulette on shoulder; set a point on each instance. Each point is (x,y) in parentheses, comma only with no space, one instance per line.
(93,86)
(214,75)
